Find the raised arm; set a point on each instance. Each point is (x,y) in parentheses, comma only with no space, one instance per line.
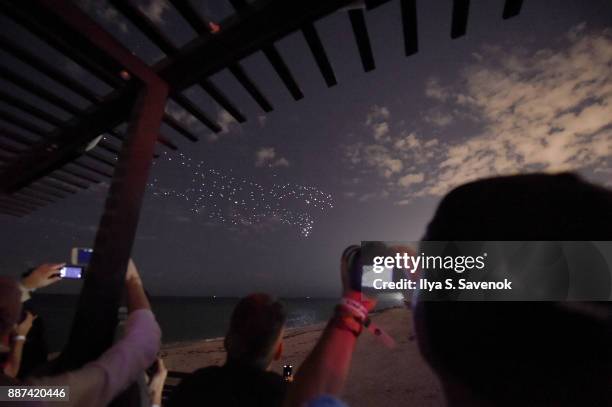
(156,384)
(136,297)
(325,369)
(11,368)
(98,382)
(42,276)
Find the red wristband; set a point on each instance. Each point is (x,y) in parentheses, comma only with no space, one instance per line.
(345,320)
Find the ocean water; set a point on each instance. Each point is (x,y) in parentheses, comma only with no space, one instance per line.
(189,318)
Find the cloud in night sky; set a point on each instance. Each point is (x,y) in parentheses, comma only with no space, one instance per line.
(225,121)
(267,157)
(261,119)
(181,115)
(378,121)
(154,9)
(435,91)
(545,110)
(439,118)
(107,14)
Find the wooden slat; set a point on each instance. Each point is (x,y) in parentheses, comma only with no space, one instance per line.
(409,26)
(222,100)
(38,91)
(250,86)
(142,22)
(39,196)
(512,8)
(34,199)
(460,17)
(17,204)
(56,185)
(23,124)
(49,70)
(173,123)
(282,70)
(357,18)
(81,175)
(195,111)
(248,31)
(9,148)
(30,109)
(318,52)
(372,4)
(152,32)
(264,22)
(16,137)
(92,168)
(166,142)
(68,180)
(275,59)
(185,8)
(11,212)
(239,4)
(45,190)
(100,158)
(105,145)
(61,37)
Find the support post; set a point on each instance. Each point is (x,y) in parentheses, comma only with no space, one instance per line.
(96,318)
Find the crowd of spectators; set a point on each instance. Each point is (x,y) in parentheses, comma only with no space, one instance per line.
(508,353)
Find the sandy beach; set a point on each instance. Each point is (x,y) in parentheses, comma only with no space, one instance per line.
(378,377)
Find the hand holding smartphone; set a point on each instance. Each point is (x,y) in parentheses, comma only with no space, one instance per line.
(288,373)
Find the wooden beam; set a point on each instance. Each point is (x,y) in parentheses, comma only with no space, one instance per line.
(96,316)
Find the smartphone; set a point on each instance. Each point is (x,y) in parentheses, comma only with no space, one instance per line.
(288,373)
(152,370)
(71,272)
(81,255)
(369,276)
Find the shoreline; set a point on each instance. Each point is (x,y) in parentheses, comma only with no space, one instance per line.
(378,375)
(289,332)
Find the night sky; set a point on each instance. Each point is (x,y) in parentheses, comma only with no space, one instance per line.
(270,204)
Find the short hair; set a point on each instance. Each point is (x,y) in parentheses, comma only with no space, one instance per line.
(513,352)
(255,326)
(10,304)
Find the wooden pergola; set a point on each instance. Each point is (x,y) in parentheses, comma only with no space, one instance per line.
(38,167)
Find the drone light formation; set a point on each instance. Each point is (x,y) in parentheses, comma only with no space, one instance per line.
(240,202)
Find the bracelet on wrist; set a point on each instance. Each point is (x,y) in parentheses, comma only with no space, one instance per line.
(19,338)
(345,320)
